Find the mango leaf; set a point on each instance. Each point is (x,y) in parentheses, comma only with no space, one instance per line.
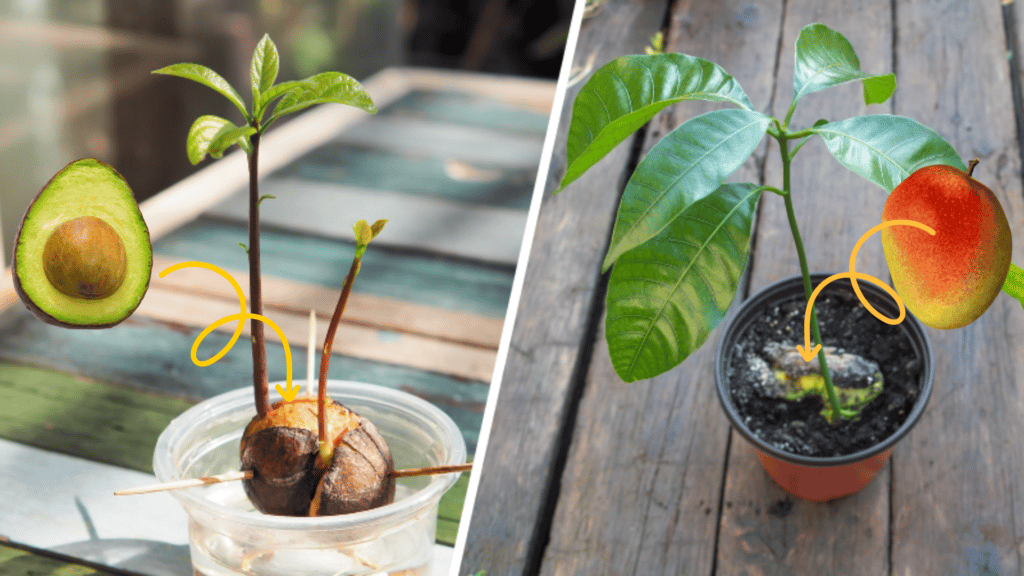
(825,58)
(320,89)
(687,164)
(628,91)
(206,77)
(666,296)
(213,135)
(263,69)
(885,149)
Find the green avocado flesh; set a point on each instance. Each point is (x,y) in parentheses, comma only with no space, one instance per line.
(85,188)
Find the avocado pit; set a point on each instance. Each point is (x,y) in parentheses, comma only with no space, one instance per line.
(85,258)
(281,449)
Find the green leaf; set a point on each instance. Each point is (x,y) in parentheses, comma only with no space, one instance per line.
(323,88)
(885,149)
(273,93)
(666,296)
(628,91)
(206,77)
(265,197)
(687,164)
(825,58)
(1014,283)
(363,233)
(213,135)
(263,69)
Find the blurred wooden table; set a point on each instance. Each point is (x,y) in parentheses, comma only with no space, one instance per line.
(584,474)
(450,159)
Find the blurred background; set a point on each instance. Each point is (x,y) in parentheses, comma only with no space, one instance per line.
(75,75)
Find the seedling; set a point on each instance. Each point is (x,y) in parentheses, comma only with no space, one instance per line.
(305,457)
(213,135)
(682,235)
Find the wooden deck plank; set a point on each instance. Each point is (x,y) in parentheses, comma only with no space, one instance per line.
(362,309)
(447,283)
(82,417)
(145,353)
(761,532)
(20,561)
(64,499)
(957,490)
(507,531)
(642,487)
(428,354)
(439,226)
(479,184)
(492,110)
(409,136)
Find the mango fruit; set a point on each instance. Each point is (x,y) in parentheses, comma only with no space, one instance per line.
(947,280)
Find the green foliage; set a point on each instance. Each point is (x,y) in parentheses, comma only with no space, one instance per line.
(321,89)
(687,164)
(885,149)
(365,233)
(666,296)
(213,135)
(206,77)
(824,58)
(264,66)
(624,94)
(681,236)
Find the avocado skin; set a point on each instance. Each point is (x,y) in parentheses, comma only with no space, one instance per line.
(26,299)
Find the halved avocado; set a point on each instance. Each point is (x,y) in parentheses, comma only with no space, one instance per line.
(82,256)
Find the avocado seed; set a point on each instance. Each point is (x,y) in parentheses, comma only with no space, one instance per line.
(359,477)
(84,258)
(281,450)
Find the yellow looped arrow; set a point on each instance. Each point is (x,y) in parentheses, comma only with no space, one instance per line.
(289,393)
(808,353)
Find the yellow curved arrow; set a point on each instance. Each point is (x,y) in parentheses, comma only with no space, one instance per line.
(289,393)
(808,353)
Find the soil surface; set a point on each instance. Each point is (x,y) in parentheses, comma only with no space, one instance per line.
(797,426)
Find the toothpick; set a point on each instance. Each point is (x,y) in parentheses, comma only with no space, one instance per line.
(247,475)
(188,483)
(310,357)
(432,470)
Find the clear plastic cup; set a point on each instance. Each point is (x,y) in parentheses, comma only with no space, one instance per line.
(227,536)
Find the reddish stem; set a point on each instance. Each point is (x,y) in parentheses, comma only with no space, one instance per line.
(325,360)
(259,352)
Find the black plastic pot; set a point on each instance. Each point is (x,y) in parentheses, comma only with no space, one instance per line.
(825,478)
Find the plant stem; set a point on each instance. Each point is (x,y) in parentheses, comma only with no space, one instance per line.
(833,400)
(325,360)
(259,352)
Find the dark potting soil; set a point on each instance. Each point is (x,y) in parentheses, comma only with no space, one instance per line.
(797,426)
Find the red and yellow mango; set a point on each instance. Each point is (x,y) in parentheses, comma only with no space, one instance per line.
(947,280)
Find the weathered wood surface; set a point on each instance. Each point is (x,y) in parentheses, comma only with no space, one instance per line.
(362,309)
(654,481)
(422,278)
(642,488)
(548,355)
(958,491)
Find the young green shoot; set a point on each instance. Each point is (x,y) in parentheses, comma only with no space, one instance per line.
(212,135)
(364,234)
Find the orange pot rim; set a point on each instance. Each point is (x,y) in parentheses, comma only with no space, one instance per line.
(785,289)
